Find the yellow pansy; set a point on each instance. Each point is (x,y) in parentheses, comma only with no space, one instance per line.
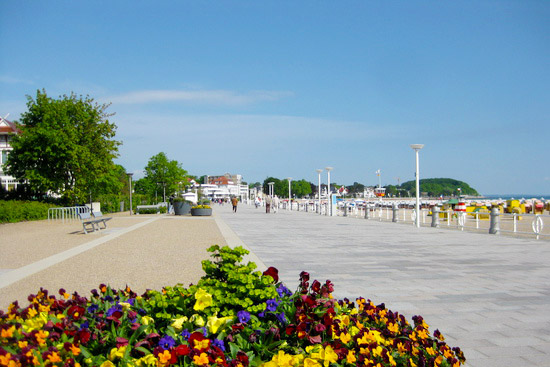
(377,352)
(177,324)
(201,360)
(350,358)
(164,358)
(41,336)
(422,334)
(393,327)
(204,300)
(107,363)
(329,356)
(75,350)
(430,351)
(147,320)
(35,323)
(117,353)
(282,359)
(7,333)
(53,357)
(145,361)
(345,337)
(214,323)
(344,319)
(310,362)
(125,305)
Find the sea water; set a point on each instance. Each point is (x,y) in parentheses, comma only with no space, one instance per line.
(516,196)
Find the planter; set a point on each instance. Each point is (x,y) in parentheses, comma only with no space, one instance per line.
(201,212)
(181,208)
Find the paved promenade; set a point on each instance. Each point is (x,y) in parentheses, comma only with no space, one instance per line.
(489,295)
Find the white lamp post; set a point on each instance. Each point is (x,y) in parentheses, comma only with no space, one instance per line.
(130,184)
(289,194)
(416,148)
(328,191)
(319,190)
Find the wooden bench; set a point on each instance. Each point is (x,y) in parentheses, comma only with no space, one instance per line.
(92,222)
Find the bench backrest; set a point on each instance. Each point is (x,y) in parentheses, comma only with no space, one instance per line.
(98,214)
(85,215)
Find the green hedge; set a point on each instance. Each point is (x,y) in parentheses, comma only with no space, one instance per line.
(17,211)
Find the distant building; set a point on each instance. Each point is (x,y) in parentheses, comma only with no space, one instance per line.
(7,130)
(224,187)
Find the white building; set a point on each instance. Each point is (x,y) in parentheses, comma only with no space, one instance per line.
(7,129)
(224,187)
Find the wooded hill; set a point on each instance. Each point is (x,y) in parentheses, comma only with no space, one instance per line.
(435,187)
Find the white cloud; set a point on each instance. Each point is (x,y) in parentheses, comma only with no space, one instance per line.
(212,97)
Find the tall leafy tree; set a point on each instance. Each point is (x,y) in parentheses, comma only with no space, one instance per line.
(301,188)
(165,172)
(66,147)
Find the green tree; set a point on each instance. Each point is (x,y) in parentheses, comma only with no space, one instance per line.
(356,188)
(301,188)
(66,147)
(164,172)
(439,186)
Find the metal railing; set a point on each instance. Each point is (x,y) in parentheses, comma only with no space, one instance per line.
(67,213)
(509,224)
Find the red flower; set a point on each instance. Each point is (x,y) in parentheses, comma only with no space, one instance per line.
(75,312)
(82,337)
(182,350)
(272,272)
(316,286)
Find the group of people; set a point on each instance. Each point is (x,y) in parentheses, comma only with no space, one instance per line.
(271,203)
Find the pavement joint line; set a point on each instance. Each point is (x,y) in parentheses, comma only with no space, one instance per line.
(233,241)
(18,274)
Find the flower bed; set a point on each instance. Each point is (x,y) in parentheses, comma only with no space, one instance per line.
(233,317)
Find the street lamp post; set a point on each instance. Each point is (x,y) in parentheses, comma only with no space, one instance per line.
(416,148)
(319,190)
(289,194)
(329,206)
(130,184)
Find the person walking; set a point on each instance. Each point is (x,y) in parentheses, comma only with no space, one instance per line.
(234,201)
(268,201)
(275,204)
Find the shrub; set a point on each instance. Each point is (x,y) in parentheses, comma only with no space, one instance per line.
(17,211)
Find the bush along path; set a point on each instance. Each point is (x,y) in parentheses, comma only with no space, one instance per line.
(233,317)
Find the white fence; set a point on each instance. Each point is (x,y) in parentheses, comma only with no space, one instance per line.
(509,224)
(67,213)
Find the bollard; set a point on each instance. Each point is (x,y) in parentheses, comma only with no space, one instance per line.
(367,211)
(495,221)
(435,216)
(345,210)
(395,210)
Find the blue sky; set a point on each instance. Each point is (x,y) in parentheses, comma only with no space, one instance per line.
(281,88)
